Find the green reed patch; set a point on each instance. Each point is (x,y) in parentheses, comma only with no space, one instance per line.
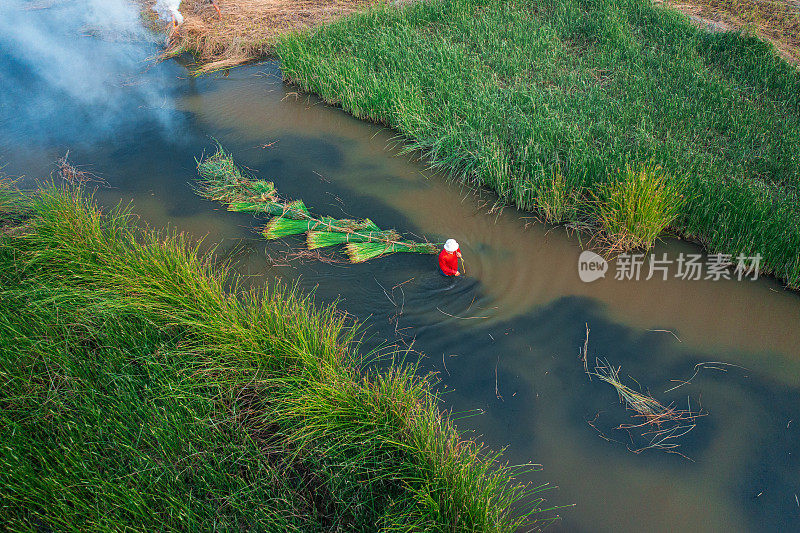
(544,100)
(556,200)
(142,388)
(636,207)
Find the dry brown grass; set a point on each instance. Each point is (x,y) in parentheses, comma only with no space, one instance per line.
(246,29)
(777,21)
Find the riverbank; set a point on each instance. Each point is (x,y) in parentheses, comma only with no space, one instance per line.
(622,117)
(143,388)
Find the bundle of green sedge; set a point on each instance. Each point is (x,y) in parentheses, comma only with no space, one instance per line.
(223,181)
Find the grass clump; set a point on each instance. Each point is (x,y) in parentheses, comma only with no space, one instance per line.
(543,101)
(636,207)
(143,388)
(323,239)
(555,200)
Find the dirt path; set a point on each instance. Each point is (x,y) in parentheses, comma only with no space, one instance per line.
(776,21)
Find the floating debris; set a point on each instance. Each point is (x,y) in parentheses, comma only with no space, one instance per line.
(660,425)
(223,181)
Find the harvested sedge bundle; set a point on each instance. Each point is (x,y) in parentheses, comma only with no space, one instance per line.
(321,239)
(296,210)
(223,181)
(363,251)
(280,227)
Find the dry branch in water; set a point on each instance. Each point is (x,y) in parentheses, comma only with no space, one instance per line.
(71,174)
(584,353)
(713,365)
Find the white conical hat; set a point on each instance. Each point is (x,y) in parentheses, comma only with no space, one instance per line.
(451,245)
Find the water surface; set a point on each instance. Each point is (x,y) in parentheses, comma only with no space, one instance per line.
(505,337)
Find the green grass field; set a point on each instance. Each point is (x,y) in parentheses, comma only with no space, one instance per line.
(549,102)
(143,389)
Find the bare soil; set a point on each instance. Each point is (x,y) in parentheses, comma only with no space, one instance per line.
(776,21)
(246,30)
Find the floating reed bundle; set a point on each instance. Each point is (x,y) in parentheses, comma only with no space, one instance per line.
(660,425)
(223,181)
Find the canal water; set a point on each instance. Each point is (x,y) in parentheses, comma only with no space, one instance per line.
(505,338)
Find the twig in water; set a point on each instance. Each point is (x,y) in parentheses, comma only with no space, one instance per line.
(697,368)
(666,331)
(602,435)
(399,313)
(585,352)
(402,305)
(386,293)
(496,388)
(321,177)
(409,280)
(461,317)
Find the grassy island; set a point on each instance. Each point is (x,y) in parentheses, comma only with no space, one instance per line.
(620,116)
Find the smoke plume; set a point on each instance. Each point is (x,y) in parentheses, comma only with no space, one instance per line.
(79,70)
(168,9)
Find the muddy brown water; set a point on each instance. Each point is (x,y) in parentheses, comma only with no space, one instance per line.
(505,337)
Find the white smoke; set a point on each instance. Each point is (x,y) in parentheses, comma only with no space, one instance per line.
(168,10)
(78,66)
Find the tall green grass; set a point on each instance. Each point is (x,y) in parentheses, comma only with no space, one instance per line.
(508,95)
(635,208)
(11,201)
(142,388)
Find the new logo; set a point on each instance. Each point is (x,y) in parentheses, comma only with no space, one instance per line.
(591,266)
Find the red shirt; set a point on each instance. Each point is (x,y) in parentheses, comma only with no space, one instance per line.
(448,262)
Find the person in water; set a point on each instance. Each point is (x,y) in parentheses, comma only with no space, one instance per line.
(448,258)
